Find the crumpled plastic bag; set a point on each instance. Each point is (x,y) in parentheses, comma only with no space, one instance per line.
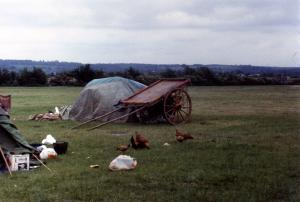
(48,153)
(49,140)
(56,110)
(41,148)
(123,162)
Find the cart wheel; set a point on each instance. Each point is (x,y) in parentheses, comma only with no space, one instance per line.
(177,106)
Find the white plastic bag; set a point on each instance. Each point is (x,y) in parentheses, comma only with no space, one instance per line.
(56,110)
(49,140)
(41,148)
(123,162)
(48,153)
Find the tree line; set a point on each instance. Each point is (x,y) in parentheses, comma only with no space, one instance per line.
(84,73)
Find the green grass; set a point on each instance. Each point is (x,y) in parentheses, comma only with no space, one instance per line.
(246,148)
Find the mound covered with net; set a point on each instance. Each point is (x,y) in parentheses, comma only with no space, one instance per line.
(101,96)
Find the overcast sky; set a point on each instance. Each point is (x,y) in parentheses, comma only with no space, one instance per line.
(257,32)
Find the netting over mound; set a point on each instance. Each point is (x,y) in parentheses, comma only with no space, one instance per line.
(99,97)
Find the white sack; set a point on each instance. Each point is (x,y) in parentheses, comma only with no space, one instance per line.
(41,148)
(49,140)
(123,162)
(48,153)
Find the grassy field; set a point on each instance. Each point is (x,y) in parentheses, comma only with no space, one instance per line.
(246,148)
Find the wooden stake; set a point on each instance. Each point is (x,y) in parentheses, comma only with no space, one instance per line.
(102,124)
(42,163)
(94,119)
(6,163)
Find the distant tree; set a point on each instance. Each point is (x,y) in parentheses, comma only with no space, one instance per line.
(62,79)
(131,73)
(168,73)
(83,74)
(205,76)
(13,78)
(188,70)
(35,77)
(148,78)
(4,77)
(207,73)
(99,73)
(40,76)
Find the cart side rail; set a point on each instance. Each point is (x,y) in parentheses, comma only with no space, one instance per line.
(146,92)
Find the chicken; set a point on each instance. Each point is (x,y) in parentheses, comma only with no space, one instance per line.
(139,142)
(123,148)
(180,136)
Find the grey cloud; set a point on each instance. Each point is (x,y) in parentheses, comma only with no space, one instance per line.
(154,31)
(145,14)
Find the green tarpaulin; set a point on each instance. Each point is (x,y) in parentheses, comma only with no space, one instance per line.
(11,140)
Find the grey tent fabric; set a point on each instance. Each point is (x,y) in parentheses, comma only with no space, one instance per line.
(101,96)
(11,139)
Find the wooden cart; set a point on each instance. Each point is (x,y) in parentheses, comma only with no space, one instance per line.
(166,97)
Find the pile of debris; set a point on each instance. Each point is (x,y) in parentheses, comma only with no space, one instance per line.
(49,116)
(60,113)
(17,154)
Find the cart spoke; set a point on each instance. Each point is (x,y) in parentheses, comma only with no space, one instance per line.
(180,115)
(184,112)
(177,106)
(177,117)
(172,117)
(185,107)
(170,110)
(172,114)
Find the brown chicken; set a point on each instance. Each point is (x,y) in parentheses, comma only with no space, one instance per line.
(180,136)
(123,148)
(139,142)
